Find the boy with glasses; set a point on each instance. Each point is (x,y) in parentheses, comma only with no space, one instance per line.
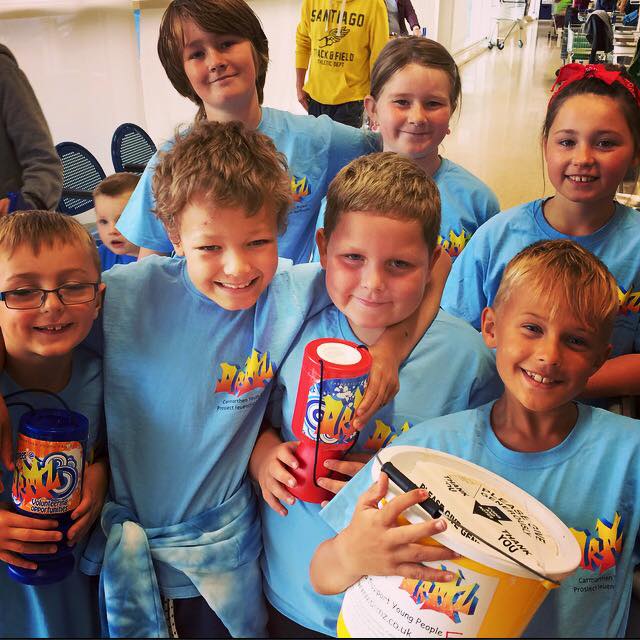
(50,294)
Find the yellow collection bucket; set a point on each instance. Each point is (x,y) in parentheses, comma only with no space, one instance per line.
(492,596)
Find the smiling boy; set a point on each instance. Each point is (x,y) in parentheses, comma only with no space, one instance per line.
(377,247)
(50,295)
(191,346)
(550,325)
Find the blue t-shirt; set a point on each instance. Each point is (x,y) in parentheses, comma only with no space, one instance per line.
(450,369)
(67,609)
(108,258)
(316,149)
(474,279)
(591,481)
(467,203)
(186,385)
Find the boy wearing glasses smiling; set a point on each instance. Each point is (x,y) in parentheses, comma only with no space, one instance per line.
(50,294)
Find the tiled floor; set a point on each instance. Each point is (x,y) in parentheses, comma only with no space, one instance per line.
(504,99)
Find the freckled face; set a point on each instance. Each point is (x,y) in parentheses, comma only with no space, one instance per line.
(376,268)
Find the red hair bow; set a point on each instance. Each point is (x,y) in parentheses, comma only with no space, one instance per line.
(575,71)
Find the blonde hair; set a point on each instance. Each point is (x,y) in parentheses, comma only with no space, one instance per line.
(117,184)
(222,17)
(224,163)
(389,185)
(567,274)
(36,229)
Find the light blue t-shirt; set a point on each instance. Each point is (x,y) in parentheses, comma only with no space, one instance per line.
(450,369)
(467,203)
(591,481)
(474,279)
(316,149)
(67,609)
(186,385)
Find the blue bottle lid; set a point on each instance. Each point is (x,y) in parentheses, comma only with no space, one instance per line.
(56,425)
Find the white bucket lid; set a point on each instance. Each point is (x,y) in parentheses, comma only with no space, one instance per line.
(491,507)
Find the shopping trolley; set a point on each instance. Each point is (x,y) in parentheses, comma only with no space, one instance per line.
(509,11)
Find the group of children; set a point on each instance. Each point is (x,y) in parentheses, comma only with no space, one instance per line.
(186,355)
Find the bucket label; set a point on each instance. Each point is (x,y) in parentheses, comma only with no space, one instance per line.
(340,399)
(492,515)
(47,476)
(380,607)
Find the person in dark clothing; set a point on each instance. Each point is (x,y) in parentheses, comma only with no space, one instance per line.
(30,170)
(401,12)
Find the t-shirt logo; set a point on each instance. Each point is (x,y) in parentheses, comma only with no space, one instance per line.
(333,37)
(384,435)
(600,549)
(450,598)
(300,188)
(629,300)
(257,372)
(455,242)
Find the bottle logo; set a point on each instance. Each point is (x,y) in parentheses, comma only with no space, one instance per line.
(47,476)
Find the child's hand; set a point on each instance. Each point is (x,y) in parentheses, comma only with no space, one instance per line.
(274,478)
(22,534)
(348,466)
(374,544)
(383,383)
(94,490)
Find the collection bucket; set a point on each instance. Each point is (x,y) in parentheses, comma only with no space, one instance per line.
(492,595)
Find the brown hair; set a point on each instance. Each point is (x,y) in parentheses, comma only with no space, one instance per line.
(596,86)
(224,163)
(224,17)
(400,52)
(389,185)
(117,184)
(36,229)
(569,275)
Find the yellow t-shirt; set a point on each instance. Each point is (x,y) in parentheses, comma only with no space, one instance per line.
(338,42)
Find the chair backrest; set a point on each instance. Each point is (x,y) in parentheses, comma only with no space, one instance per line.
(81,174)
(131,148)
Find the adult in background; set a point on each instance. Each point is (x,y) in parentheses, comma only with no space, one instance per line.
(338,42)
(30,170)
(400,12)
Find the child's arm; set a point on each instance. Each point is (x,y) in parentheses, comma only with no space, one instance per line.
(618,376)
(22,534)
(397,342)
(373,544)
(94,490)
(268,467)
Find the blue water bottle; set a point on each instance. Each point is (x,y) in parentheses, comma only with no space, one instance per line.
(47,483)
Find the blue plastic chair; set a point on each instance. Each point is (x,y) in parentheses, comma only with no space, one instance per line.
(81,174)
(131,148)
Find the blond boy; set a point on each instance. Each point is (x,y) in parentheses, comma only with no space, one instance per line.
(50,294)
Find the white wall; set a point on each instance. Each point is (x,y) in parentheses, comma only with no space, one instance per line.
(81,60)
